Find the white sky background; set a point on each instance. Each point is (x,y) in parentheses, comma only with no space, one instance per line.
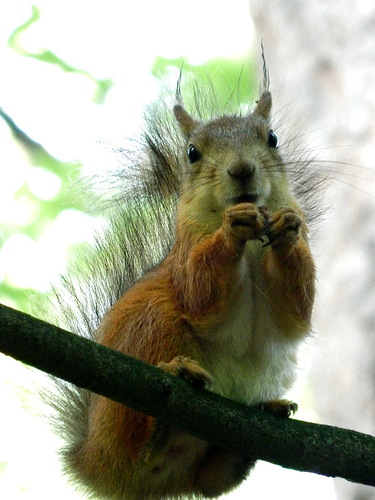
(118,39)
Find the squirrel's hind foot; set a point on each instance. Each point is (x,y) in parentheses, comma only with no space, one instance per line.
(188,369)
(280,407)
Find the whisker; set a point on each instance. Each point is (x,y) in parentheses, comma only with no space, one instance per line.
(354,186)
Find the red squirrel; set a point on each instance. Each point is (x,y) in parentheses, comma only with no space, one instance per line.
(226,308)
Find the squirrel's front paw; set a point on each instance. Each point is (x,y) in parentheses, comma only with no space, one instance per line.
(283,228)
(188,369)
(244,221)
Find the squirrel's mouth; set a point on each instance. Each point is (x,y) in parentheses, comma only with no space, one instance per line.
(245,198)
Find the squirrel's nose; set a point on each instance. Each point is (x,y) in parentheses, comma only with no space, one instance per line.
(241,170)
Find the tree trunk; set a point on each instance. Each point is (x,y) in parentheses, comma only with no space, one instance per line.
(321,57)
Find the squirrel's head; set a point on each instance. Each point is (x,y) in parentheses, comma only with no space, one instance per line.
(232,159)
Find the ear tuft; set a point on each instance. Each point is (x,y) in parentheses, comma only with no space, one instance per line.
(186,122)
(266,75)
(264,105)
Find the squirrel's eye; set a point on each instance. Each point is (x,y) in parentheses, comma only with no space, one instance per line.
(273,140)
(193,153)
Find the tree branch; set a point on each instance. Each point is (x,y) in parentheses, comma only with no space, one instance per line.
(303,446)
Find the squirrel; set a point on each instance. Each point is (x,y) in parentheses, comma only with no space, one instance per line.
(225,308)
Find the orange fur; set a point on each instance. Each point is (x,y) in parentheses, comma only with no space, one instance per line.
(290,275)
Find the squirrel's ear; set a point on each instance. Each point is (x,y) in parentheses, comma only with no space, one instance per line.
(186,122)
(264,104)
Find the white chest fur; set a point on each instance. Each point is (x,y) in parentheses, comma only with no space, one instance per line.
(248,357)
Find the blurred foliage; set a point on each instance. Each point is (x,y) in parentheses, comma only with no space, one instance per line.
(231,81)
(47,210)
(39,157)
(46,56)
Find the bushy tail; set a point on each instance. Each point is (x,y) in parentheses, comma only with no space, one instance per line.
(136,235)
